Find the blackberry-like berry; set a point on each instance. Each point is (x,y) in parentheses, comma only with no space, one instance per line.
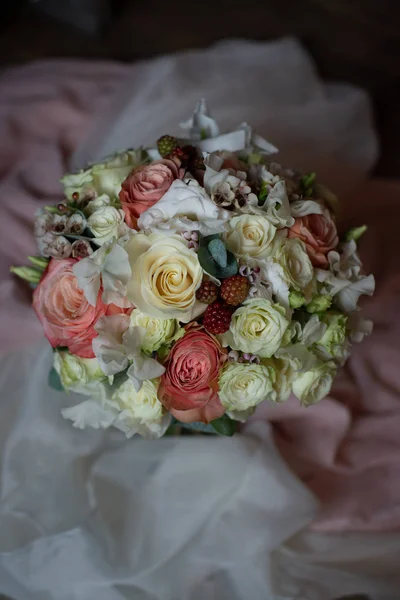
(217,318)
(207,292)
(235,289)
(166,144)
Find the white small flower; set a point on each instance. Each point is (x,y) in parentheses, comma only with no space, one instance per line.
(106,223)
(201,125)
(54,246)
(108,266)
(76,224)
(343,280)
(302,208)
(119,346)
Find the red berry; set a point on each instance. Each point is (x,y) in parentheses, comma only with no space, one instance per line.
(207,292)
(217,318)
(235,289)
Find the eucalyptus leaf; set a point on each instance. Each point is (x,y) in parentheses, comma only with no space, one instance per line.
(207,262)
(54,380)
(231,267)
(224,426)
(204,241)
(218,251)
(197,426)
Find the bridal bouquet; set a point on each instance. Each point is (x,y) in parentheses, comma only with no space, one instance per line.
(190,282)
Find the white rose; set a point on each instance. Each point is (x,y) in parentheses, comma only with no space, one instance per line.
(160,333)
(258,327)
(312,386)
(250,236)
(242,386)
(81,375)
(106,223)
(165,277)
(140,412)
(103,178)
(294,260)
(185,207)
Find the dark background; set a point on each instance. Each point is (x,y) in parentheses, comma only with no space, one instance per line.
(357,41)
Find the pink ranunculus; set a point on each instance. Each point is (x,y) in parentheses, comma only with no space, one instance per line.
(145,186)
(189,386)
(66,316)
(319,234)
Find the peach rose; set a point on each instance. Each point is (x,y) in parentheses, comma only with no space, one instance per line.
(319,234)
(67,317)
(189,386)
(145,186)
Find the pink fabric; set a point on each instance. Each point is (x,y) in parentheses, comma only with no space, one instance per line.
(45,110)
(346,449)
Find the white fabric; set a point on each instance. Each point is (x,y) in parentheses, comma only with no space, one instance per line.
(87,515)
(320,127)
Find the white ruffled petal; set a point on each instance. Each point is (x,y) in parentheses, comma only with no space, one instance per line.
(90,413)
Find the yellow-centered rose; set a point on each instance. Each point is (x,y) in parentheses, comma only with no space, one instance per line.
(165,277)
(250,236)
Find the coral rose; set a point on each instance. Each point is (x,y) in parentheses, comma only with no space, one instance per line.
(319,234)
(189,386)
(66,316)
(145,186)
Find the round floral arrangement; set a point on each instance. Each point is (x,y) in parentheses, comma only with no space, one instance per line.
(190,282)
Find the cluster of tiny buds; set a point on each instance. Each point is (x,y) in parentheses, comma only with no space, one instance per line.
(193,238)
(235,356)
(252,273)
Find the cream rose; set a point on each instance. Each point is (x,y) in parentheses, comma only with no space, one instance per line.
(257,327)
(140,412)
(297,268)
(242,386)
(165,277)
(107,222)
(250,236)
(312,386)
(160,333)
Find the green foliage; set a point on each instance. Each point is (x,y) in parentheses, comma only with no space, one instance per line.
(224,426)
(54,380)
(216,259)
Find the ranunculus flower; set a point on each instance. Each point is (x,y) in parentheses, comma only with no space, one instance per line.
(243,386)
(250,237)
(258,327)
(312,386)
(145,186)
(67,317)
(319,234)
(165,277)
(189,386)
(334,343)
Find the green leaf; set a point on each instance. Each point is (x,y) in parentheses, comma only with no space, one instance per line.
(231,267)
(54,380)
(197,426)
(204,241)
(39,261)
(218,251)
(207,262)
(30,274)
(224,426)
(355,233)
(263,191)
